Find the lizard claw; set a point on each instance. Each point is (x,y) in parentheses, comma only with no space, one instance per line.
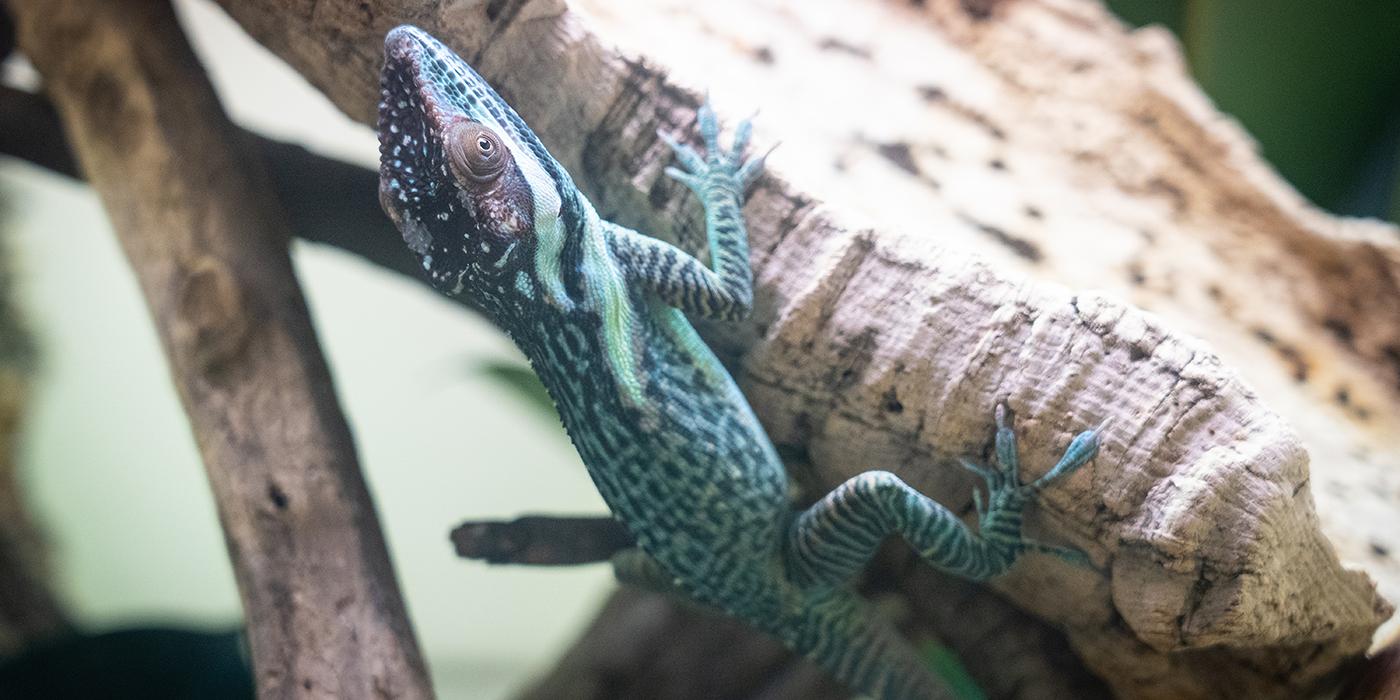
(709,125)
(729,165)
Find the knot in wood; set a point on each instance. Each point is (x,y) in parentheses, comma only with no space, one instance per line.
(212,320)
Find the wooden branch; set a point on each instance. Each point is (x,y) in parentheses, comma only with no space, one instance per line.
(542,540)
(1039,655)
(644,646)
(870,349)
(208,245)
(336,203)
(29,612)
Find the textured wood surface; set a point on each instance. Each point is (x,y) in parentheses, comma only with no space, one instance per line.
(208,245)
(872,348)
(969,147)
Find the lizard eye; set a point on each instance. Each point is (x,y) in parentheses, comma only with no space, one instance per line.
(475,152)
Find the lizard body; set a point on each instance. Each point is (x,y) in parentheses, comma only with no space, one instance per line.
(671,443)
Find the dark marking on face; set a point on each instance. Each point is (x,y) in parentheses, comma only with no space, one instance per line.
(450,182)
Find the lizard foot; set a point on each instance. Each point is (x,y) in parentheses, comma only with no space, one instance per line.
(718,165)
(1000,514)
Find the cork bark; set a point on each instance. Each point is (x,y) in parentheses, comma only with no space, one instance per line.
(876,348)
(955,169)
(207,242)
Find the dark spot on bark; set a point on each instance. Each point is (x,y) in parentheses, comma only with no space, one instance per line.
(1019,246)
(900,154)
(1391,354)
(996,164)
(979,9)
(1033,212)
(493,9)
(1136,275)
(306,684)
(1379,549)
(832,43)
(802,426)
(277,496)
(892,403)
(656,194)
(1343,396)
(1081,66)
(1288,353)
(1294,358)
(1340,330)
(1170,190)
(931,93)
(1137,352)
(1214,292)
(764,55)
(856,355)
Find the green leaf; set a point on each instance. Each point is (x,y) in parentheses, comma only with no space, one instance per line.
(1313,82)
(521,381)
(947,666)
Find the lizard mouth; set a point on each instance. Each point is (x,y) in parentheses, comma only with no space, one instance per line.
(411,162)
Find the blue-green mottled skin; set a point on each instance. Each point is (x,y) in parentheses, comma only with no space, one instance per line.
(668,438)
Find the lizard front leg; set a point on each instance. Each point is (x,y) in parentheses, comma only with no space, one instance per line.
(719,179)
(834,538)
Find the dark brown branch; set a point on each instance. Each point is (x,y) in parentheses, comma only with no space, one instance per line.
(542,540)
(648,646)
(1378,677)
(326,200)
(208,244)
(29,611)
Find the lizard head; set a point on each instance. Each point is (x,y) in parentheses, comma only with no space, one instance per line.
(466,182)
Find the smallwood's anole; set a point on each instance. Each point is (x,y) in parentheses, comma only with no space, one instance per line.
(673,446)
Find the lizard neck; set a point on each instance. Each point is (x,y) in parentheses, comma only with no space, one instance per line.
(580,286)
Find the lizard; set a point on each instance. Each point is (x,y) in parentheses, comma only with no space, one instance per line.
(600,311)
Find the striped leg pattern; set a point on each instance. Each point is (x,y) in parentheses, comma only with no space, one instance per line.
(833,539)
(719,179)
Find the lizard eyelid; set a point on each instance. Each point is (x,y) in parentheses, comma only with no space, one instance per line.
(475,153)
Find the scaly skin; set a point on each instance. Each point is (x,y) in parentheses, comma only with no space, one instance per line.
(668,438)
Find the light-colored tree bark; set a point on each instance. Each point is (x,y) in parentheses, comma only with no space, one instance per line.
(871,349)
(208,245)
(1053,143)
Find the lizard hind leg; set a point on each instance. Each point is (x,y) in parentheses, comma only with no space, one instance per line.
(834,538)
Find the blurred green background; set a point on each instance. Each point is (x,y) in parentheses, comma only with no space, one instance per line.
(114,479)
(1316,83)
